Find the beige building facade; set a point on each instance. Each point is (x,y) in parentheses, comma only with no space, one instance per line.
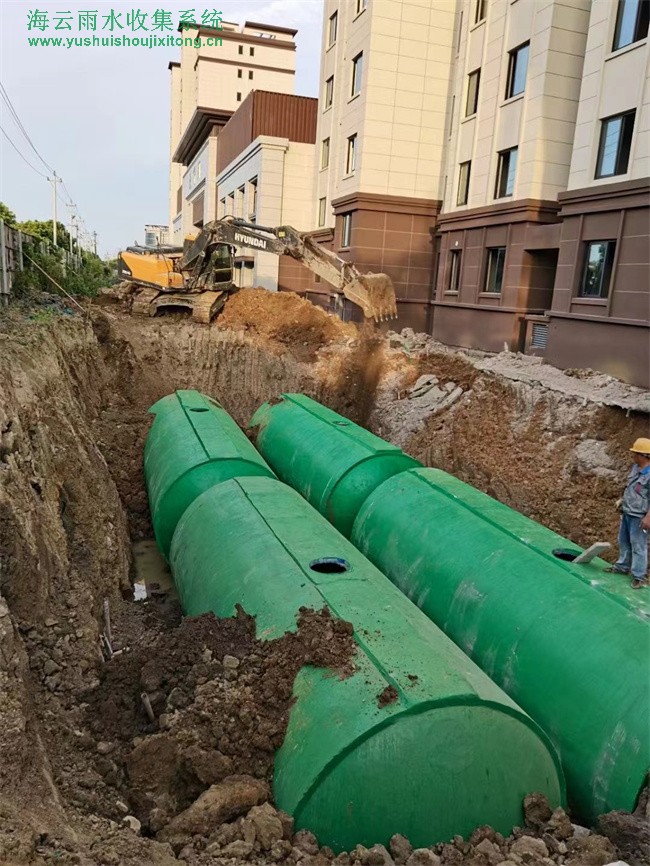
(381,138)
(544,229)
(216,72)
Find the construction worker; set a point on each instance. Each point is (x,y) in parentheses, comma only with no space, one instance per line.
(635,518)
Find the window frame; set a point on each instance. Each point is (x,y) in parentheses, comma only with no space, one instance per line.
(346,230)
(465,190)
(599,174)
(325,153)
(250,74)
(351,155)
(357,67)
(322,208)
(332,29)
(252,198)
(480,11)
(641,21)
(361,7)
(240,73)
(329,92)
(493,257)
(238,96)
(606,274)
(455,266)
(513,58)
(502,176)
(475,75)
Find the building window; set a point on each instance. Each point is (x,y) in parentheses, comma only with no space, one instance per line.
(361,5)
(250,74)
(460,31)
(351,155)
(517,69)
(241,49)
(252,199)
(322,202)
(230,209)
(331,33)
(329,91)
(346,229)
(473,81)
(357,70)
(597,269)
(480,11)
(239,73)
(506,171)
(463,182)
(631,22)
(325,153)
(615,141)
(238,97)
(494,274)
(240,202)
(222,208)
(454,270)
(251,51)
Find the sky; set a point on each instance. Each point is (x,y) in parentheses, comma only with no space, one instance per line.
(99,116)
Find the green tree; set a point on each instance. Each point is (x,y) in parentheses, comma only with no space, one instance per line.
(8,216)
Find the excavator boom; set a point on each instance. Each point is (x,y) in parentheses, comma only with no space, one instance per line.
(373,293)
(202,277)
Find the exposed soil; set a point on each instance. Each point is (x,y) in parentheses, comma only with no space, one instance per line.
(85,775)
(285,319)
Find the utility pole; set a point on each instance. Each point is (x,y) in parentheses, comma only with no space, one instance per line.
(95,242)
(71,206)
(54,180)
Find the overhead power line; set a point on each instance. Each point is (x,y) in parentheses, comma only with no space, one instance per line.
(21,155)
(19,124)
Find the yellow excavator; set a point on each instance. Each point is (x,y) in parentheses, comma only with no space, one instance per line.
(199,276)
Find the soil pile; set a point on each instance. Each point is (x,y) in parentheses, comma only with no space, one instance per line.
(219,704)
(285,318)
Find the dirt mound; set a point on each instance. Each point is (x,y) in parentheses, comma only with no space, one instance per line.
(285,318)
(219,698)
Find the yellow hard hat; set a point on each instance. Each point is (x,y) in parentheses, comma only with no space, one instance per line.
(641,446)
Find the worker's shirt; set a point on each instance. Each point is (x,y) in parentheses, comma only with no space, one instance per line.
(636,499)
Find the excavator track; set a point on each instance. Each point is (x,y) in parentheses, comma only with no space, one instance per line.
(207,305)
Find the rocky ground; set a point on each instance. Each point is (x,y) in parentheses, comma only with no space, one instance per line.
(93,773)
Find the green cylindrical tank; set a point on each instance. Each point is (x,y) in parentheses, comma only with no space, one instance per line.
(559,638)
(193,444)
(332,462)
(452,752)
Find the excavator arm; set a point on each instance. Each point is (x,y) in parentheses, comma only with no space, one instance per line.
(203,260)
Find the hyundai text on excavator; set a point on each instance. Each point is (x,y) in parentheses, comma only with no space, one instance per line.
(199,275)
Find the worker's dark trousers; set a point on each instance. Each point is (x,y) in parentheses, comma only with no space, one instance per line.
(633,548)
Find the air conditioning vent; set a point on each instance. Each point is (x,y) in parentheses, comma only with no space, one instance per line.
(539,337)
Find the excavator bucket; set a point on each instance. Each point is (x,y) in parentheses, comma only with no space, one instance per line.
(375,294)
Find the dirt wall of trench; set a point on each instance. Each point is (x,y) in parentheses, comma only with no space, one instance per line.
(73,420)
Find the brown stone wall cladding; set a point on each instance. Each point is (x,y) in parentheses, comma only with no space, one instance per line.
(393,235)
(473,317)
(610,333)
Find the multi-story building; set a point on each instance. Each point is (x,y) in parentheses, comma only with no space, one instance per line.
(265,167)
(383,116)
(544,228)
(600,313)
(217,71)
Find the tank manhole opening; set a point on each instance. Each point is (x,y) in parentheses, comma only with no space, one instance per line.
(330,565)
(199,409)
(342,423)
(566,554)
